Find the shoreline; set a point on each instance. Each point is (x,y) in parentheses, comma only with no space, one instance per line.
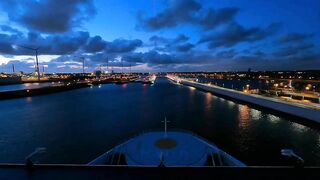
(40,91)
(295,110)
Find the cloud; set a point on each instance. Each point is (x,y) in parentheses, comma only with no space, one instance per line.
(187,12)
(95,44)
(163,40)
(6,28)
(227,54)
(228,59)
(52,44)
(179,11)
(234,33)
(259,53)
(218,17)
(154,58)
(303,62)
(49,16)
(184,47)
(6,48)
(62,44)
(293,50)
(177,44)
(123,45)
(293,37)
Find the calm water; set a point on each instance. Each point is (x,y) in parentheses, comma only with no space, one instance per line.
(76,126)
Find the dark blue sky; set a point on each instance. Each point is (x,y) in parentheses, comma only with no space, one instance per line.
(161,35)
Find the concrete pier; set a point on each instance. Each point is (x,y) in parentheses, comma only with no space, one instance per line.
(297,110)
(40,91)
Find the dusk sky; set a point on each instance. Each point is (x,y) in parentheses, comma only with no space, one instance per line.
(160,35)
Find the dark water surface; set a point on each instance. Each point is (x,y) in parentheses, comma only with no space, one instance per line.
(77,126)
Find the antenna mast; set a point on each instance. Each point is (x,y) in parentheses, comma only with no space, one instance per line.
(165,126)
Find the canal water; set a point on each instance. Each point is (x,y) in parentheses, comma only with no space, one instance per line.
(77,126)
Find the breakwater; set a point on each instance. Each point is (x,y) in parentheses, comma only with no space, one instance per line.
(40,91)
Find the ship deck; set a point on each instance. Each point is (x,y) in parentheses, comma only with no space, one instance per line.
(171,148)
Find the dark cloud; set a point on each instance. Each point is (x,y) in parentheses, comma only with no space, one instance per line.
(163,40)
(154,58)
(48,15)
(293,50)
(218,17)
(293,37)
(177,44)
(6,48)
(181,38)
(95,44)
(187,12)
(10,29)
(234,33)
(48,45)
(159,40)
(54,44)
(303,62)
(6,43)
(123,45)
(259,53)
(227,54)
(62,44)
(184,47)
(179,11)
(33,36)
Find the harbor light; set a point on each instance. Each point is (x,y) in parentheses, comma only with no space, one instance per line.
(247,87)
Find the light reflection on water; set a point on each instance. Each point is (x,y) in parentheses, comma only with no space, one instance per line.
(299,127)
(273,118)
(255,114)
(208,101)
(30,84)
(29,99)
(244,116)
(231,104)
(208,106)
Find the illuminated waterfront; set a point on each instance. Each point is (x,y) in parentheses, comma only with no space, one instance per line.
(76,126)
